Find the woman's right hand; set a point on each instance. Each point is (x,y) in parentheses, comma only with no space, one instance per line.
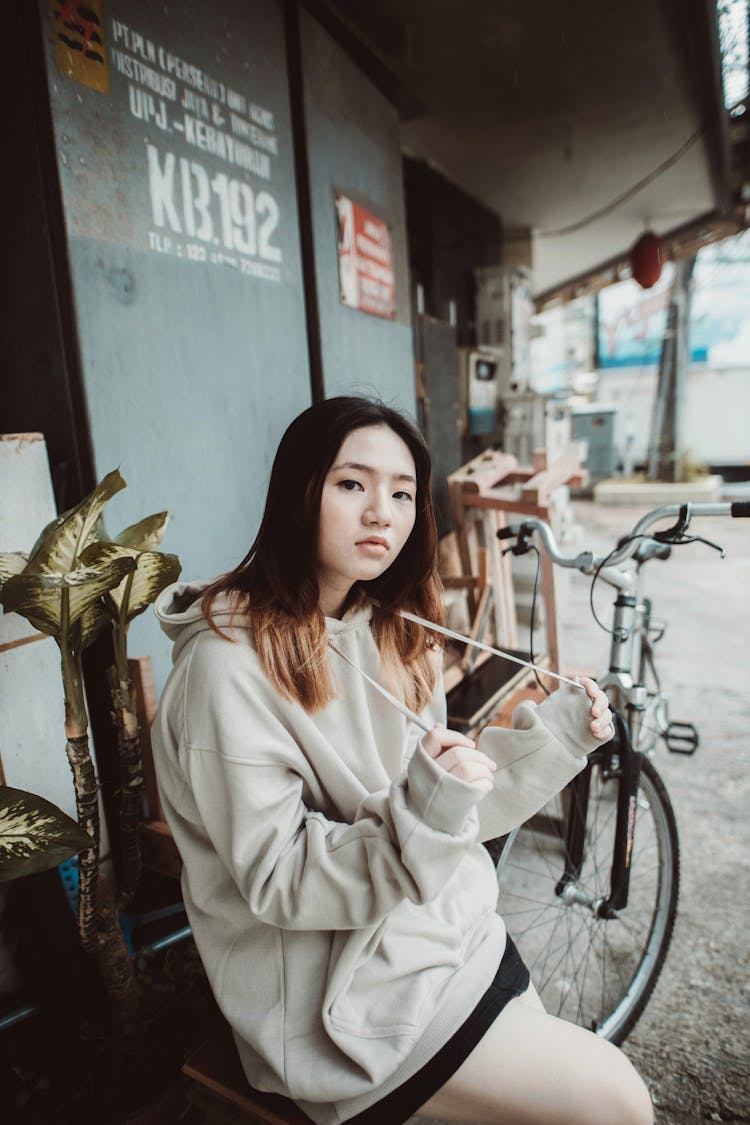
(457,754)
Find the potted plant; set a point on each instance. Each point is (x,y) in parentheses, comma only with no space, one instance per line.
(74,584)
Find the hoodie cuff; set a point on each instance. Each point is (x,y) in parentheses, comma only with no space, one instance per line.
(566,714)
(437,798)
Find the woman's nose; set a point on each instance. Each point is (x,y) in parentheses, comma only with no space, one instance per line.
(378,510)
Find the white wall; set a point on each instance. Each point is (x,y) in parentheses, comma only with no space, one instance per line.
(717,412)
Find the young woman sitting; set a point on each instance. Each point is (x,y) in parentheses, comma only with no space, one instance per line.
(334,876)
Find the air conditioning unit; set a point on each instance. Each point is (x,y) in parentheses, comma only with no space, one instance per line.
(503,307)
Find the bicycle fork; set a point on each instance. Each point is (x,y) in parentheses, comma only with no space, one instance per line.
(619,763)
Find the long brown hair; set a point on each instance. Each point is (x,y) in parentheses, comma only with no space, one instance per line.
(276,583)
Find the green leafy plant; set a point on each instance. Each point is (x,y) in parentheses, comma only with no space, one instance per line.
(153,571)
(74,584)
(34,834)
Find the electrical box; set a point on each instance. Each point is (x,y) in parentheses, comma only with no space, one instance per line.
(479,374)
(503,308)
(500,364)
(532,421)
(595,424)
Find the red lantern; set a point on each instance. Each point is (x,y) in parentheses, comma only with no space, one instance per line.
(646,259)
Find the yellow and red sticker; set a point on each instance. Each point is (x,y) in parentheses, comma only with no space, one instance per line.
(80,48)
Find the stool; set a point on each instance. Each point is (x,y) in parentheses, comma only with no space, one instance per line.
(217,1085)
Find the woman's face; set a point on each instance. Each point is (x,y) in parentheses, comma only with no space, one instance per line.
(367,511)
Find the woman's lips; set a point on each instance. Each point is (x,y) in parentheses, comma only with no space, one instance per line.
(374,544)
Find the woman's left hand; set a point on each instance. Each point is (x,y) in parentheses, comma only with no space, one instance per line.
(602,720)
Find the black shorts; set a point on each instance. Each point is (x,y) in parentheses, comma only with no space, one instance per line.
(511,979)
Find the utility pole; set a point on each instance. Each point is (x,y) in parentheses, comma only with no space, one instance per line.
(665,447)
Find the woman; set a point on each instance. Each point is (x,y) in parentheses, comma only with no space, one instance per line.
(339,897)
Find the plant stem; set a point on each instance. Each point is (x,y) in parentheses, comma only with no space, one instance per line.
(120,630)
(131,789)
(114,960)
(129,753)
(87,808)
(76,720)
(84,777)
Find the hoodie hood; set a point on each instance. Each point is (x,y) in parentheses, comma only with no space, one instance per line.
(179,608)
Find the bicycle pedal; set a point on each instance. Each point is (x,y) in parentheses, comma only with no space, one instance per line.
(681,738)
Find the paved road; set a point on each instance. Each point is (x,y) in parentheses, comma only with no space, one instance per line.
(692,1045)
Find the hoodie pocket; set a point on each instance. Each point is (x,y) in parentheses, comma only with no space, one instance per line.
(383,981)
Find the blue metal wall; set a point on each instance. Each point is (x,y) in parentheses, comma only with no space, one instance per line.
(185,333)
(353,147)
(191,329)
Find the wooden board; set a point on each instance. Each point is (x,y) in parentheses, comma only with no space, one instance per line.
(214,1072)
(475,699)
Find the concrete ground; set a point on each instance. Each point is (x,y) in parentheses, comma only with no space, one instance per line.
(692,1043)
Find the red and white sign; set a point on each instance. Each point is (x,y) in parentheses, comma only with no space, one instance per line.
(366,273)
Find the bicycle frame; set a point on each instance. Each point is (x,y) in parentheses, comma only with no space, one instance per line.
(630,655)
(596,937)
(618,760)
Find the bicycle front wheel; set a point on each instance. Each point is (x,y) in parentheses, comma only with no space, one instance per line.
(594,971)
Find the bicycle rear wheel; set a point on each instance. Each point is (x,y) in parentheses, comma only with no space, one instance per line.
(597,972)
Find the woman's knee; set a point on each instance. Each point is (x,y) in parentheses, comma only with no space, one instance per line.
(612,1091)
(582,1080)
(625,1098)
(639,1106)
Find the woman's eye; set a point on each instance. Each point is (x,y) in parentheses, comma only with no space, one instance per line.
(350,485)
(403,496)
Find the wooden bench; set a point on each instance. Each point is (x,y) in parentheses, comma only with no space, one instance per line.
(216,1085)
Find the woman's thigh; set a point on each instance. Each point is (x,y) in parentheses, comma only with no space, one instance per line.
(531,1068)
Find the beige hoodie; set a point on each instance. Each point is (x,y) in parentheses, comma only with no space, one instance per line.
(339,897)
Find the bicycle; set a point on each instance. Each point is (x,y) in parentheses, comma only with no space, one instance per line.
(589,886)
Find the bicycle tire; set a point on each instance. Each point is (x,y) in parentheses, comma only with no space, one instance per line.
(593,971)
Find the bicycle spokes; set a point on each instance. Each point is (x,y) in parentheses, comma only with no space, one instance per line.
(593,965)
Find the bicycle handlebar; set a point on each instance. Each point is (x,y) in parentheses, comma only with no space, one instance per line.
(587,562)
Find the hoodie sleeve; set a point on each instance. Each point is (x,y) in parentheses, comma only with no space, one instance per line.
(544,750)
(296,868)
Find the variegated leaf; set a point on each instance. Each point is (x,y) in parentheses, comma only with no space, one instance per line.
(62,541)
(38,597)
(154,571)
(97,532)
(89,583)
(11,562)
(48,529)
(146,535)
(32,596)
(92,622)
(34,834)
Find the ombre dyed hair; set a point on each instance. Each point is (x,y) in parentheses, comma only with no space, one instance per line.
(276,583)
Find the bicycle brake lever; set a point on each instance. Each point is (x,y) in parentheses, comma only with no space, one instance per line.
(523,534)
(700,539)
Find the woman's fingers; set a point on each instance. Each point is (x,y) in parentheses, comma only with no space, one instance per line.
(603,729)
(602,720)
(440,738)
(457,754)
(468,765)
(599,701)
